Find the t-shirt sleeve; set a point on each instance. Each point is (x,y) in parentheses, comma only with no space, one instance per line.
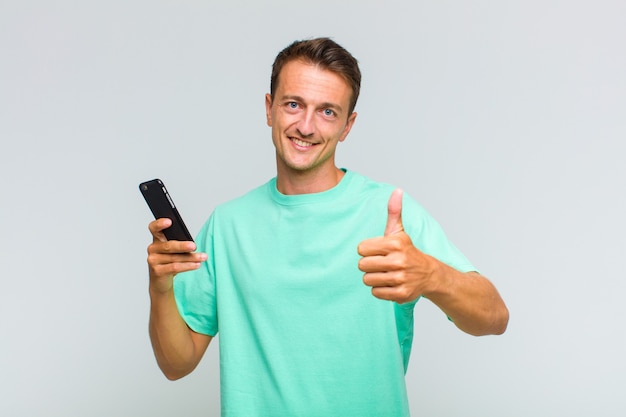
(428,236)
(195,290)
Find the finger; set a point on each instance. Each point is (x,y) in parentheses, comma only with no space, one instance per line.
(394,213)
(383,293)
(172,246)
(382,279)
(372,247)
(397,294)
(162,264)
(377,263)
(156,258)
(381,245)
(172,269)
(157,226)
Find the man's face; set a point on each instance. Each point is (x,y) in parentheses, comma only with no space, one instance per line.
(308,115)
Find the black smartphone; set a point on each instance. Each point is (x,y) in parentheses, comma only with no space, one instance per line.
(162,205)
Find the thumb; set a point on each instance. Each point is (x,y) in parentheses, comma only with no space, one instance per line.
(394,213)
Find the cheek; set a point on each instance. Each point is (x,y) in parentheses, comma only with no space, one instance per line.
(286,122)
(332,131)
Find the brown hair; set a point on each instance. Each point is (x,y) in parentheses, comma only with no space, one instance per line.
(328,55)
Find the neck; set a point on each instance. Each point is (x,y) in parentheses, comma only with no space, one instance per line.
(295,182)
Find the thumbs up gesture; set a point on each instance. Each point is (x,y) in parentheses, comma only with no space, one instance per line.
(394,268)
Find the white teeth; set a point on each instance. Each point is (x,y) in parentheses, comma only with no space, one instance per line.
(301,143)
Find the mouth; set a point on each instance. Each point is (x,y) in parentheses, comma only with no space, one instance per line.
(300,143)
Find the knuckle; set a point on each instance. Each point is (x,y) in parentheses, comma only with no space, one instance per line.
(157,271)
(399,260)
(403,262)
(404,295)
(167,270)
(392,278)
(395,279)
(152,258)
(377,293)
(395,243)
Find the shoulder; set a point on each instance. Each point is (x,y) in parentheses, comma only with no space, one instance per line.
(252,198)
(248,206)
(375,190)
(233,210)
(361,186)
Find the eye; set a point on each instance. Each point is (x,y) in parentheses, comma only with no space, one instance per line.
(329,112)
(292,105)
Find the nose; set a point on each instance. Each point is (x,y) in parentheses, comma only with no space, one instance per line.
(306,124)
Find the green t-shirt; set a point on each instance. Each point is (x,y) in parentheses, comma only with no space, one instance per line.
(300,334)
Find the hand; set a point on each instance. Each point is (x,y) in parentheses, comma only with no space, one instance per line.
(168,258)
(394,268)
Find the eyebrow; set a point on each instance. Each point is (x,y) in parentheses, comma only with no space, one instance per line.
(324,105)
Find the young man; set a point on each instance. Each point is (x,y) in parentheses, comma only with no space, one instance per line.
(311,279)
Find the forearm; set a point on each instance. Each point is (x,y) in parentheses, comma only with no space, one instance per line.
(470,300)
(177,349)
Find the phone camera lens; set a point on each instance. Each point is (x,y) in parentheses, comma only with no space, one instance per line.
(144,187)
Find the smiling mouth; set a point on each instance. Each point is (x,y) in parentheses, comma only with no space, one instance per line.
(301,143)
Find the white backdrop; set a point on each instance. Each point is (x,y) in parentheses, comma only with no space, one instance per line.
(506,120)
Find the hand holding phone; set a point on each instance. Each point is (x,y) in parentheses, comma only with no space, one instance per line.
(167,259)
(162,206)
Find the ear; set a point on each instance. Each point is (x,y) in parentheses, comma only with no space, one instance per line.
(348,126)
(268,109)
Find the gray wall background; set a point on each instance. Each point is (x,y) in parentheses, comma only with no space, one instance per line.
(505,119)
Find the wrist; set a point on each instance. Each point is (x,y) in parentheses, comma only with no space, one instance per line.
(439,279)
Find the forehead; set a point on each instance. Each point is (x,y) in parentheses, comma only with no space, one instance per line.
(300,78)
